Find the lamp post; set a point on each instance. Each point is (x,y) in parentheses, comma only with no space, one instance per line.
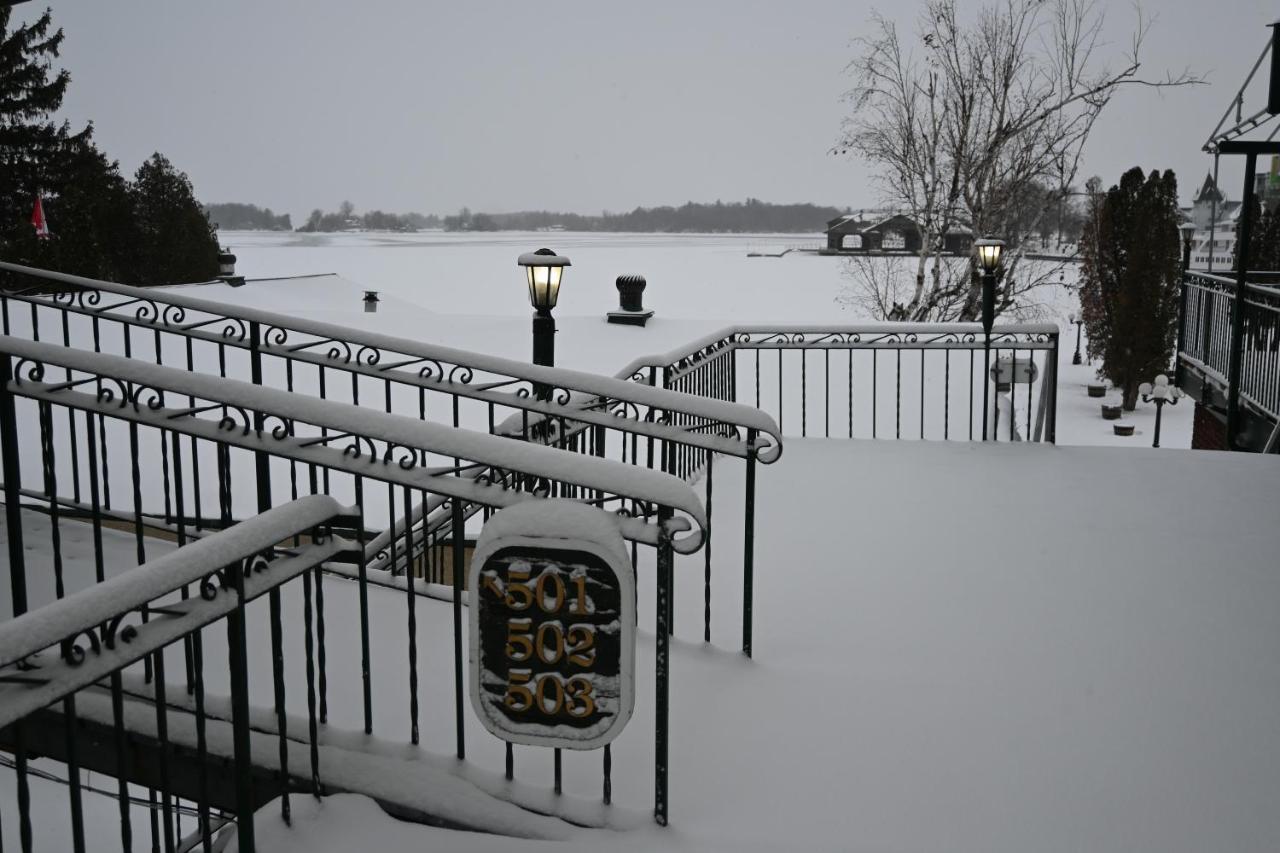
(1160,393)
(543,269)
(1078,321)
(988,253)
(1188,230)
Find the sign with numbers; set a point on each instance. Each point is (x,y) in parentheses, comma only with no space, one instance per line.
(552,630)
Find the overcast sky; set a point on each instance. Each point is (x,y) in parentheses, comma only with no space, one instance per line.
(582,106)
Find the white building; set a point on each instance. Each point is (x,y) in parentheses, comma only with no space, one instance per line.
(1214,243)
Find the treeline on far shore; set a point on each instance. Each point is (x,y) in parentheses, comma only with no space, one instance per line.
(750,216)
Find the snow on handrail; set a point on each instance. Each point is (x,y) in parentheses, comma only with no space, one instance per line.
(729,335)
(99,604)
(568,405)
(397,431)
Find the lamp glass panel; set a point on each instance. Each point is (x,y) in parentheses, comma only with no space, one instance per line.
(989,256)
(544,285)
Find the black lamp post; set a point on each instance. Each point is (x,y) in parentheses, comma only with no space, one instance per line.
(1078,321)
(988,252)
(1160,393)
(543,269)
(1188,230)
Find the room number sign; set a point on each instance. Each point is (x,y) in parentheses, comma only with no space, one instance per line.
(552,630)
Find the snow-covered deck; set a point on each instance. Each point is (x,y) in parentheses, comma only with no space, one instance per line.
(958,647)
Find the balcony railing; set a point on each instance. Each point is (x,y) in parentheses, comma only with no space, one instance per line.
(876,380)
(233,449)
(1231,361)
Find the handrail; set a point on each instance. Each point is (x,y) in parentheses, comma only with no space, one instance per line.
(730,336)
(1228,282)
(365,353)
(99,604)
(407,441)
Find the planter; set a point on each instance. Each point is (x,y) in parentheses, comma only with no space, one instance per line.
(1110,413)
(1097,390)
(1123,429)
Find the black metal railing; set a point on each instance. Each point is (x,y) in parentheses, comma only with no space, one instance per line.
(1233,347)
(83,687)
(938,391)
(878,380)
(637,424)
(185,454)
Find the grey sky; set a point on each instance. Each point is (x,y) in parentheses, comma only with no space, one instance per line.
(577,106)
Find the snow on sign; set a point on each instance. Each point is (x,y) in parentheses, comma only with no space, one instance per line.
(552,610)
(1022,370)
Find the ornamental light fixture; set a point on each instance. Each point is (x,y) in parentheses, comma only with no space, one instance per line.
(989,252)
(1160,393)
(543,269)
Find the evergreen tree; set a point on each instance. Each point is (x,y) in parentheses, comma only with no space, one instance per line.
(94,210)
(1130,279)
(176,241)
(31,142)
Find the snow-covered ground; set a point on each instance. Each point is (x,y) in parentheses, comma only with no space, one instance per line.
(958,647)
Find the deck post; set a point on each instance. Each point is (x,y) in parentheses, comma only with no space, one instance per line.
(1237,302)
(12,488)
(662,676)
(749,543)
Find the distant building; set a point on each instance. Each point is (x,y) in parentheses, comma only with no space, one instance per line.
(853,233)
(1213,245)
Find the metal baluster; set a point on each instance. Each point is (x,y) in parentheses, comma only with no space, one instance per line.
(946,395)
(48,459)
(202,745)
(364,621)
(71,420)
(922,353)
(73,774)
(662,659)
(24,790)
(459,558)
(12,488)
(748,543)
(162,734)
(826,387)
(875,390)
(706,616)
(410,598)
(897,400)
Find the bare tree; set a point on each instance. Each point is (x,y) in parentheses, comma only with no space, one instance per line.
(982,131)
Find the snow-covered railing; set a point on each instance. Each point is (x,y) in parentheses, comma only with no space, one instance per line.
(878,396)
(505,396)
(591,415)
(76,675)
(168,440)
(910,380)
(1231,362)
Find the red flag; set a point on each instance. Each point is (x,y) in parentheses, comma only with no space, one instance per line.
(38,220)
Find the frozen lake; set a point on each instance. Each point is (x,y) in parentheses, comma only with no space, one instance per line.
(705,277)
